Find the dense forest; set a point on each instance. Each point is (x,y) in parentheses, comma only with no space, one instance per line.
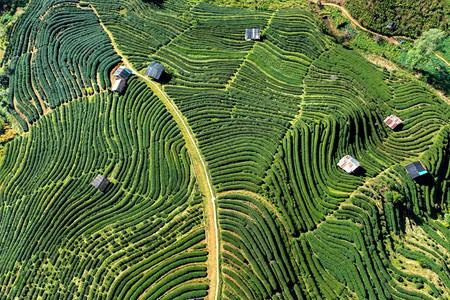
(6,5)
(410,17)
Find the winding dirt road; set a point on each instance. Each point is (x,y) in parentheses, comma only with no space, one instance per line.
(391,39)
(200,170)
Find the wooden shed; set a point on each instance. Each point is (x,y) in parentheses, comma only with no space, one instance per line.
(119,85)
(390,26)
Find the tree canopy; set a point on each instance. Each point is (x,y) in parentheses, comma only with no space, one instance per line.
(425,45)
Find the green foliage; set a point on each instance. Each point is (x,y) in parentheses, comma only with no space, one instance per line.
(446,221)
(122,249)
(424,46)
(4,81)
(394,197)
(411,17)
(337,18)
(271,117)
(6,18)
(139,27)
(368,43)
(259,4)
(12,4)
(70,53)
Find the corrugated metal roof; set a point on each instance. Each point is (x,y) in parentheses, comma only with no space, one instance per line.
(100,182)
(253,34)
(154,70)
(391,25)
(416,169)
(392,121)
(122,72)
(348,164)
(118,85)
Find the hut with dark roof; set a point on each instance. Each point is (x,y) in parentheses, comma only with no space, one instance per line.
(119,85)
(252,34)
(416,170)
(122,72)
(154,70)
(391,26)
(100,182)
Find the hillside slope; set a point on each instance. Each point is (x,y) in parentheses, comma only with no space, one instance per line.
(272,118)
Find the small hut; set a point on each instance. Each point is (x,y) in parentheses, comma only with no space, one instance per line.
(252,34)
(349,164)
(100,182)
(415,170)
(122,72)
(119,85)
(154,70)
(392,121)
(391,26)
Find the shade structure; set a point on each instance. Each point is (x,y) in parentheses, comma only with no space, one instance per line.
(118,85)
(392,121)
(154,70)
(252,34)
(100,182)
(349,164)
(416,169)
(122,72)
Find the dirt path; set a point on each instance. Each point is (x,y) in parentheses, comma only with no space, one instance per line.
(442,59)
(203,180)
(328,22)
(354,21)
(19,112)
(45,109)
(201,172)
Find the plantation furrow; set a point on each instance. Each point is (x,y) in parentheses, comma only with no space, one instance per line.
(16,107)
(146,222)
(224,180)
(203,180)
(233,77)
(199,169)
(260,198)
(346,202)
(56,55)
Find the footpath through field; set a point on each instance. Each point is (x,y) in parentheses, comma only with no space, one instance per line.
(203,179)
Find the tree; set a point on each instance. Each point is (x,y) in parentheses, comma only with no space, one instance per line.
(394,197)
(446,221)
(424,46)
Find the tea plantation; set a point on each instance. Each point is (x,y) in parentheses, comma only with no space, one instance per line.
(271,119)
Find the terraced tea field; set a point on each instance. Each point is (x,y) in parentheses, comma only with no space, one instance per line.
(224,176)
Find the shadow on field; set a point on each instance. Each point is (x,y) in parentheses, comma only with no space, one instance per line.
(165,78)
